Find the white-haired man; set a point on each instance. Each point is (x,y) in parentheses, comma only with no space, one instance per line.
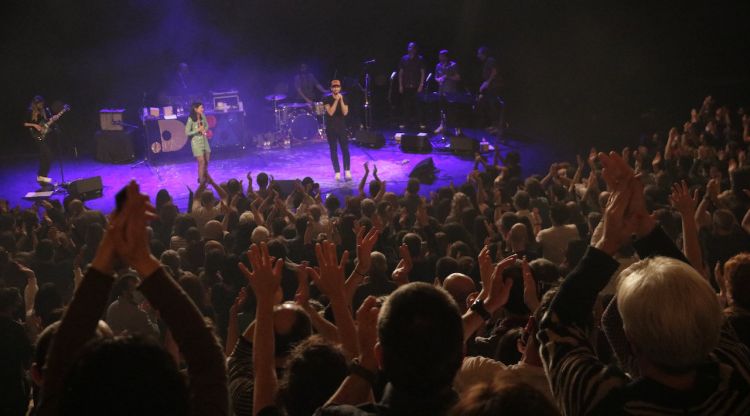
(686,363)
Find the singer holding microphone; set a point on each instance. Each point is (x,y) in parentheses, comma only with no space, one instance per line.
(197,130)
(336,111)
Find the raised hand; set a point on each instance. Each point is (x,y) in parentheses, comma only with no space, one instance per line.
(367,330)
(485,270)
(302,297)
(499,292)
(265,278)
(365,245)
(330,280)
(234,310)
(616,228)
(131,240)
(593,154)
(31,289)
(401,274)
(682,201)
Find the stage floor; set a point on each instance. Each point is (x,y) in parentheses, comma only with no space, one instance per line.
(18,174)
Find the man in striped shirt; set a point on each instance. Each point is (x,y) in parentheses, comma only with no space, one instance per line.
(687,358)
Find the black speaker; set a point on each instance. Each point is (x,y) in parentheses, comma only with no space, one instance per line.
(115,146)
(85,189)
(369,138)
(416,143)
(464,145)
(424,171)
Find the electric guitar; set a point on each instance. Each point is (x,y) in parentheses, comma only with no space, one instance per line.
(41,135)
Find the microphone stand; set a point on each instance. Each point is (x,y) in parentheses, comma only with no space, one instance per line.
(58,137)
(145,160)
(367,109)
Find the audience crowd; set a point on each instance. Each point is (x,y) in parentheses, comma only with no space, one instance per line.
(615,284)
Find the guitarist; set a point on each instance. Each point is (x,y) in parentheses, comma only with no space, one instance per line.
(38,116)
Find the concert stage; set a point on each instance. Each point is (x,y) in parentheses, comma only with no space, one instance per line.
(18,174)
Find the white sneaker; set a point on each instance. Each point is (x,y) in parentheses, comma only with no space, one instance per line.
(348,175)
(43,179)
(338,177)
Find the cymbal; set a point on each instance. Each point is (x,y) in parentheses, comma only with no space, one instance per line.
(293,105)
(275,97)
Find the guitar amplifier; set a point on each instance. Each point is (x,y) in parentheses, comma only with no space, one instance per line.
(110,119)
(227,101)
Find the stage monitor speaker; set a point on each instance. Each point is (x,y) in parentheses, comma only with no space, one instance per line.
(464,145)
(416,143)
(115,146)
(286,186)
(370,139)
(85,189)
(425,171)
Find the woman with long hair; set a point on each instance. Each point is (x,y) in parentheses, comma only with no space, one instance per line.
(197,129)
(38,115)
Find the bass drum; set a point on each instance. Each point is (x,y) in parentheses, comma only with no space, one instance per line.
(304,127)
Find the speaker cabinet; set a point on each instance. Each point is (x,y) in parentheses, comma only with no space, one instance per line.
(115,146)
(370,139)
(464,145)
(87,188)
(415,143)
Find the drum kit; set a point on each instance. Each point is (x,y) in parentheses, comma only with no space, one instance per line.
(299,121)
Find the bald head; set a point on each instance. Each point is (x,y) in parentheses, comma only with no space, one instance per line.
(460,286)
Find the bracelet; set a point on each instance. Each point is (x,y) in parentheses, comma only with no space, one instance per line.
(356,369)
(361,274)
(478,307)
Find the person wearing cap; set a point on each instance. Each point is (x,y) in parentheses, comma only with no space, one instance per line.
(336,111)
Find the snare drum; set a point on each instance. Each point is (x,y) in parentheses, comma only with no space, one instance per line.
(319,108)
(304,126)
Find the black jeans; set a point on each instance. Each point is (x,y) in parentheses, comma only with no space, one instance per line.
(410,107)
(45,158)
(489,110)
(337,137)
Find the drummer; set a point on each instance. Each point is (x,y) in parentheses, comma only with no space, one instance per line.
(306,85)
(447,77)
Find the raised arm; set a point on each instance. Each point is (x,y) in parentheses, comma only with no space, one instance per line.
(685,205)
(363,182)
(331,283)
(233,331)
(325,328)
(357,387)
(493,296)
(219,190)
(265,280)
(195,338)
(365,244)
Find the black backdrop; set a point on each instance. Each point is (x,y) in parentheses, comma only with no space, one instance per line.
(583,71)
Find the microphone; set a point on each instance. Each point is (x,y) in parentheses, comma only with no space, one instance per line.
(369,61)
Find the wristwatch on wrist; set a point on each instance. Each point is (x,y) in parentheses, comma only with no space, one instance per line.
(478,307)
(355,368)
